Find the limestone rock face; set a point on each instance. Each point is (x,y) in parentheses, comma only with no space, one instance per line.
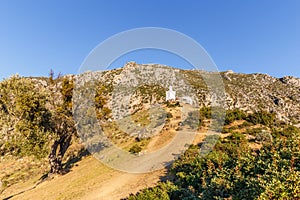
(253,92)
(290,80)
(248,92)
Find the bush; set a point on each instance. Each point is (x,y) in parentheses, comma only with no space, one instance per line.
(192,120)
(262,117)
(205,112)
(253,131)
(161,192)
(169,115)
(103,112)
(232,115)
(286,131)
(135,149)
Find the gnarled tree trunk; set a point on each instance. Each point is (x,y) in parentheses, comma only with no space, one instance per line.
(58,150)
(64,129)
(63,126)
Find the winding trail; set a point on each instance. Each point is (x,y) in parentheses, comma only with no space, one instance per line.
(89,180)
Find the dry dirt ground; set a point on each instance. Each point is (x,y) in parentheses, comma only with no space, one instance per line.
(90,179)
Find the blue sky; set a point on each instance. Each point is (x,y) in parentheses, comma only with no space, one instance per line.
(246,36)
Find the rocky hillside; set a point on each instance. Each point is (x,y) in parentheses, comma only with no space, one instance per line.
(248,92)
(36,113)
(135,87)
(252,92)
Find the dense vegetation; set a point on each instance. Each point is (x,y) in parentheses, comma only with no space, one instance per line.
(234,170)
(34,123)
(23,112)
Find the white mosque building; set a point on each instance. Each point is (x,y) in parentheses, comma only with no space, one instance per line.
(170,95)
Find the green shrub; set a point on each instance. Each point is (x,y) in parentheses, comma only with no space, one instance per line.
(246,124)
(161,192)
(26,118)
(262,117)
(253,131)
(232,115)
(286,131)
(205,112)
(101,98)
(135,149)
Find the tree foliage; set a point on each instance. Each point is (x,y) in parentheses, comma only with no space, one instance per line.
(63,126)
(101,98)
(24,118)
(34,122)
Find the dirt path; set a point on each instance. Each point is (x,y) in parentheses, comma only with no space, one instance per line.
(89,180)
(124,184)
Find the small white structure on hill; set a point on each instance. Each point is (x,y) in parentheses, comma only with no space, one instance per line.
(170,95)
(187,100)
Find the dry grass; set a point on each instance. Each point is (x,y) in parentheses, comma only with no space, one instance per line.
(89,179)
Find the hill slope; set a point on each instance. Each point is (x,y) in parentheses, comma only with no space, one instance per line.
(256,103)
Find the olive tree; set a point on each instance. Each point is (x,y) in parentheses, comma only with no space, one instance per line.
(63,126)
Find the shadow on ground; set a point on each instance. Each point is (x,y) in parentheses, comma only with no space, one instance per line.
(67,166)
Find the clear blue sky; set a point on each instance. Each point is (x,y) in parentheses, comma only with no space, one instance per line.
(243,35)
